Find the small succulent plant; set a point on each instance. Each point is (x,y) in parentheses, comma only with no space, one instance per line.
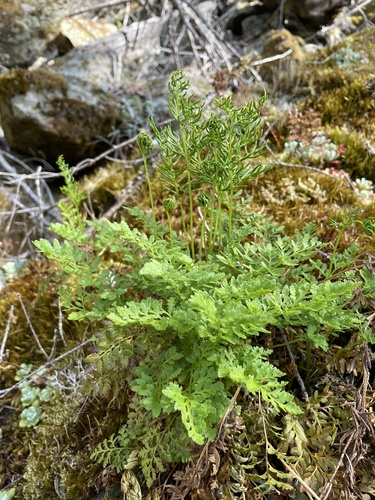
(364,190)
(319,150)
(32,395)
(346,56)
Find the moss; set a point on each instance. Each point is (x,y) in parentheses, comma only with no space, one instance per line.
(280,41)
(55,453)
(352,103)
(302,196)
(284,73)
(342,93)
(52,439)
(59,462)
(105,184)
(319,79)
(37,285)
(334,67)
(358,157)
(20,81)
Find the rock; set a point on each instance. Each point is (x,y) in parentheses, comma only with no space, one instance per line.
(26,27)
(80,30)
(114,61)
(316,11)
(64,107)
(254,25)
(278,42)
(301,17)
(248,21)
(46,114)
(104,86)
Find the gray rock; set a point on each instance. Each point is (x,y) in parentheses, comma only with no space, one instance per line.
(46,114)
(64,107)
(107,85)
(26,27)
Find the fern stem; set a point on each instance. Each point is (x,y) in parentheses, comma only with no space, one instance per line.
(151,195)
(231,191)
(190,193)
(338,239)
(170,228)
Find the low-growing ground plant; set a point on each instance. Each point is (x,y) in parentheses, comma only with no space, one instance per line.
(189,314)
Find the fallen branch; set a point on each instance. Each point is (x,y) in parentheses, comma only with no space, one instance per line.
(308,167)
(4,392)
(357,8)
(272,58)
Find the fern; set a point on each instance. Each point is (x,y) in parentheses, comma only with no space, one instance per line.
(182,331)
(73,227)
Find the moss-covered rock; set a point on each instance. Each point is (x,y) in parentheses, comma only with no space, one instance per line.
(26,27)
(339,88)
(45,113)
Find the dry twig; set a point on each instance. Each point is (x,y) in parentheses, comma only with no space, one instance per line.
(4,392)
(308,167)
(297,374)
(41,348)
(6,334)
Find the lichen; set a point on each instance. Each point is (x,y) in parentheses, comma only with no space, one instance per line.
(295,196)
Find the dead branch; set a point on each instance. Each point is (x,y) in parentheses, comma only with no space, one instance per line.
(308,167)
(97,6)
(357,8)
(217,50)
(60,324)
(20,181)
(6,334)
(298,376)
(273,58)
(4,392)
(300,479)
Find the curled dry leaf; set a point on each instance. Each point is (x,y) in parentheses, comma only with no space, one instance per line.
(130,486)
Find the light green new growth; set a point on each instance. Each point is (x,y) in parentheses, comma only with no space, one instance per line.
(211,158)
(74,225)
(186,331)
